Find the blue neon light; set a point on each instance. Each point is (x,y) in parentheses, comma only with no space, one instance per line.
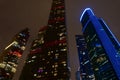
(87,9)
(110,32)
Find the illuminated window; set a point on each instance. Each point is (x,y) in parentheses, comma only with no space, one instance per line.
(83,53)
(46,72)
(53,66)
(43,59)
(2,65)
(35,74)
(61,38)
(34,57)
(61,34)
(23,47)
(64,64)
(55,74)
(13,70)
(51,51)
(62,26)
(60,44)
(56,65)
(63,49)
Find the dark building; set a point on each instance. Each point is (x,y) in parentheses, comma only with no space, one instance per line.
(9,58)
(85,69)
(103,48)
(48,55)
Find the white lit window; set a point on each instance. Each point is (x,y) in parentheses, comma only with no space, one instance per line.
(53,66)
(63,49)
(56,65)
(61,38)
(61,34)
(34,57)
(83,53)
(2,65)
(60,44)
(35,74)
(55,74)
(13,70)
(23,47)
(64,64)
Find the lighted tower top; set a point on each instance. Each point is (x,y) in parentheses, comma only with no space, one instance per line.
(86,13)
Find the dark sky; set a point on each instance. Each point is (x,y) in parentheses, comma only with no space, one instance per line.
(16,15)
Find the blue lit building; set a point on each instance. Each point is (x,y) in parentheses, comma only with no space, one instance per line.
(85,70)
(103,48)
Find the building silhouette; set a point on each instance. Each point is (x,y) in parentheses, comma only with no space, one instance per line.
(103,48)
(48,59)
(9,58)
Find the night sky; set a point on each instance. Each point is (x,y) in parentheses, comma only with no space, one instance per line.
(16,15)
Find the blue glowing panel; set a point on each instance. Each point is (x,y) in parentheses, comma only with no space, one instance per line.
(87,9)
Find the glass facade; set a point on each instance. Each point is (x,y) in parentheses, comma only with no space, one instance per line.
(86,72)
(48,56)
(102,47)
(10,57)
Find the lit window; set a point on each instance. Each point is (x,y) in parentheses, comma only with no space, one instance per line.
(35,74)
(63,49)
(64,64)
(46,72)
(60,44)
(83,53)
(56,65)
(61,38)
(55,74)
(34,45)
(48,54)
(2,65)
(42,41)
(51,51)
(34,57)
(13,70)
(64,44)
(61,26)
(23,47)
(53,66)
(43,59)
(61,34)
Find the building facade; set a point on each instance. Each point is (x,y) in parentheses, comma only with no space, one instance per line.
(48,56)
(85,70)
(9,58)
(103,48)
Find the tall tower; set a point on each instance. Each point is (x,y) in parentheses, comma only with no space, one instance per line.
(9,58)
(48,56)
(103,47)
(85,70)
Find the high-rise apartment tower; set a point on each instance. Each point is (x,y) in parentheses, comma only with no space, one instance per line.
(85,70)
(9,58)
(48,56)
(103,48)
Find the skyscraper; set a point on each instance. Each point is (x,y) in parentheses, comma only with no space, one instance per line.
(103,47)
(9,58)
(48,55)
(86,72)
